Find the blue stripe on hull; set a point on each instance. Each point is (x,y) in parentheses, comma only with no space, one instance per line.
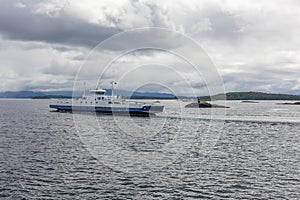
(109,110)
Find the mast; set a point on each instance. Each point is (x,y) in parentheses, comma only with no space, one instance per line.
(112,90)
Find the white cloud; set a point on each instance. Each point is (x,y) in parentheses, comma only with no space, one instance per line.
(24,65)
(20,5)
(50,8)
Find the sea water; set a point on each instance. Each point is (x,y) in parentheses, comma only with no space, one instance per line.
(248,151)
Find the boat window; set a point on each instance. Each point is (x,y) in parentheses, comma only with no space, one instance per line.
(100,93)
(99,98)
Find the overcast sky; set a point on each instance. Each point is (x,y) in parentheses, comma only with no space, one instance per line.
(254,44)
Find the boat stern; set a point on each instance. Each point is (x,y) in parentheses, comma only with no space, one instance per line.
(153,109)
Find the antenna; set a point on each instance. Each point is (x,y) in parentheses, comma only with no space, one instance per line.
(84,89)
(98,85)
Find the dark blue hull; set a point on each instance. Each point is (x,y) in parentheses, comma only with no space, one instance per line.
(145,110)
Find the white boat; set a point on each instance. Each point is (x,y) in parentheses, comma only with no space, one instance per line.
(98,101)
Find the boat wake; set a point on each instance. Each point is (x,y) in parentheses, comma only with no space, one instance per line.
(232,119)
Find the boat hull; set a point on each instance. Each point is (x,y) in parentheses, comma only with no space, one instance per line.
(145,110)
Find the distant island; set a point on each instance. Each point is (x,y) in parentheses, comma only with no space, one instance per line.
(204,104)
(70,94)
(250,96)
(36,95)
(244,96)
(295,103)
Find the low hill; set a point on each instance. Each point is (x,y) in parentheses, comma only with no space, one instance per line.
(251,96)
(21,94)
(68,94)
(152,95)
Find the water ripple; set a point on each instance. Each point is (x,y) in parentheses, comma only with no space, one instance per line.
(43,157)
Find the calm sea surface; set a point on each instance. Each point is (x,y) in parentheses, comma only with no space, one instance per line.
(250,152)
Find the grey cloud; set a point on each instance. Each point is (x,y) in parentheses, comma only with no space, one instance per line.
(79,57)
(212,22)
(22,24)
(224,26)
